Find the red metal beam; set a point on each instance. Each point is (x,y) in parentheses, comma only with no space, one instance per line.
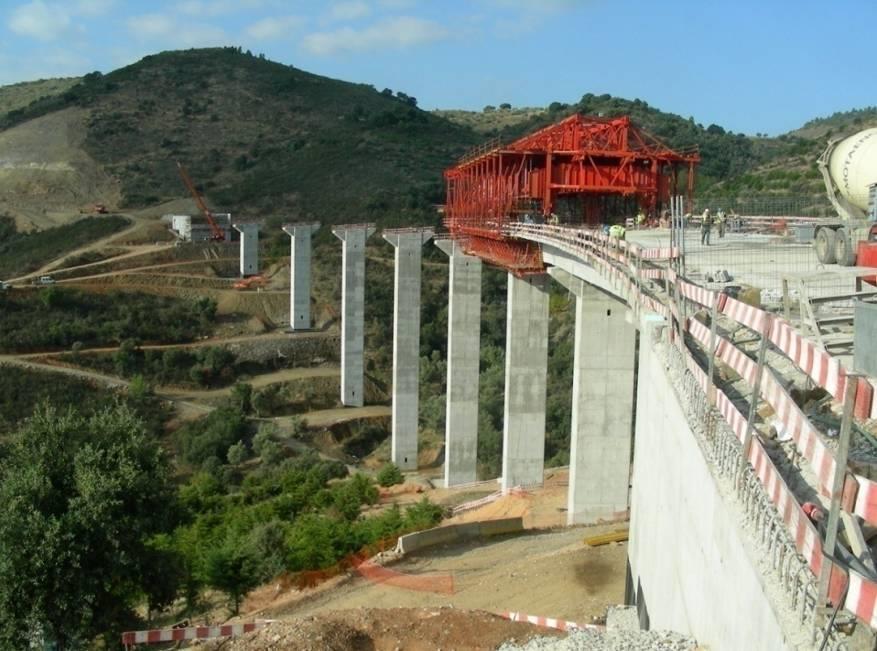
(588,157)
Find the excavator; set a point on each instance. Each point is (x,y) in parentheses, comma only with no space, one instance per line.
(216,232)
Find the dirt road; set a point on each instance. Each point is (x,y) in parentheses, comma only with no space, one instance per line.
(329,417)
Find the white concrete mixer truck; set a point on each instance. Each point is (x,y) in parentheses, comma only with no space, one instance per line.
(849,169)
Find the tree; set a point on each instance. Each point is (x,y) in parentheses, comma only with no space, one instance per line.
(80,497)
(390,475)
(232,568)
(505,106)
(242,397)
(237,453)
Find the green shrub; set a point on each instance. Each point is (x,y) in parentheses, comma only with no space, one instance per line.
(390,475)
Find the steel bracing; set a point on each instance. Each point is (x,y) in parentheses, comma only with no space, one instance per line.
(584,161)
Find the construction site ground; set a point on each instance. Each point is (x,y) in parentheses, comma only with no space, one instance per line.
(549,573)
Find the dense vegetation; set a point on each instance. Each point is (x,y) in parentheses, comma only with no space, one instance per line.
(22,390)
(206,366)
(21,253)
(55,317)
(86,493)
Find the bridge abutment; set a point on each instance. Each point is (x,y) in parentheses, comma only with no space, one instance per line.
(464,352)
(523,453)
(353,239)
(300,274)
(406,343)
(602,404)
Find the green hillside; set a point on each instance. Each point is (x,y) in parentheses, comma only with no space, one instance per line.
(14,97)
(262,138)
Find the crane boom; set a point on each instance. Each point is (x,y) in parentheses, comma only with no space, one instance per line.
(217,232)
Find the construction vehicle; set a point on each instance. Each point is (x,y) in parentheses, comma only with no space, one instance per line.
(94,209)
(849,170)
(252,282)
(216,232)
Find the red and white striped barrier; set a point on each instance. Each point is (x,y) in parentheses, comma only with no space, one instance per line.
(474,504)
(700,295)
(549,622)
(161,635)
(752,317)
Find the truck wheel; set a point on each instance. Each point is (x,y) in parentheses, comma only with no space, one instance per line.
(825,245)
(844,252)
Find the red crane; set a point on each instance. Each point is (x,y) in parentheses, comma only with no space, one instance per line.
(216,231)
(591,166)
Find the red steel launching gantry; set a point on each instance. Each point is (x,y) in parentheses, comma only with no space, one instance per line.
(589,169)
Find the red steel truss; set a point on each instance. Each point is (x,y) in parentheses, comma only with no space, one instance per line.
(583,161)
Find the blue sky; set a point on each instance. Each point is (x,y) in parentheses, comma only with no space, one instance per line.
(751,66)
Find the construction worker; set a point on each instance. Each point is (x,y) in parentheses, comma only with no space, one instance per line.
(706,226)
(640,219)
(617,231)
(720,223)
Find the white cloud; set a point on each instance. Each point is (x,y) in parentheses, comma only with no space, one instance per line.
(151,25)
(94,7)
(351,10)
(398,32)
(274,27)
(216,7)
(166,30)
(39,20)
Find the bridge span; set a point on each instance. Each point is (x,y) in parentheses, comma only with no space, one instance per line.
(719,456)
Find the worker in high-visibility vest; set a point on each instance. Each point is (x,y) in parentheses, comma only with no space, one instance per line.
(617,231)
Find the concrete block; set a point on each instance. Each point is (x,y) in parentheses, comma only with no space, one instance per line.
(523,453)
(353,239)
(300,274)
(249,263)
(406,343)
(463,363)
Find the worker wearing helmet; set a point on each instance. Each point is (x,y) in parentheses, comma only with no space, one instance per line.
(617,231)
(720,223)
(706,225)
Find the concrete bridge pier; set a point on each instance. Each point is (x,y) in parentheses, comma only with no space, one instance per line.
(300,274)
(249,248)
(602,404)
(464,352)
(353,237)
(526,367)
(406,343)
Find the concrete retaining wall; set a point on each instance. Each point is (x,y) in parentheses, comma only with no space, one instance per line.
(689,562)
(456,533)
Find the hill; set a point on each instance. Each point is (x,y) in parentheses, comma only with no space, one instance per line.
(262,138)
(18,96)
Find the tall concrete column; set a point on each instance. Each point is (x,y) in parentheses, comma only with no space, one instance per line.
(406,343)
(464,352)
(300,274)
(353,239)
(249,248)
(526,367)
(602,404)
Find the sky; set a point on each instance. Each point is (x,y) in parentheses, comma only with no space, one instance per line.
(751,66)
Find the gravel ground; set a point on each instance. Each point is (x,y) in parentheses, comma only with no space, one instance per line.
(619,640)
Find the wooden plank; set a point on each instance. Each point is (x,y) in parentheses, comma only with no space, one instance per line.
(606,538)
(832,320)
